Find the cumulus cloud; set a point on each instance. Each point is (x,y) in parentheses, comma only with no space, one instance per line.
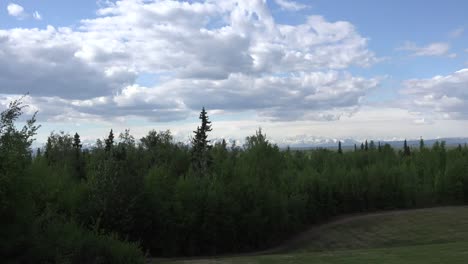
(178,36)
(43,62)
(278,98)
(441,96)
(16,10)
(312,96)
(433,49)
(226,55)
(290,5)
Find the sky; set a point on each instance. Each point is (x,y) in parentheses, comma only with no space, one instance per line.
(359,69)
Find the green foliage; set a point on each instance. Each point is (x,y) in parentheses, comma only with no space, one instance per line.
(114,190)
(63,152)
(16,205)
(56,240)
(109,141)
(249,197)
(40,198)
(406,148)
(158,147)
(201,156)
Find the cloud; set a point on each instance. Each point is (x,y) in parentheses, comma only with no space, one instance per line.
(368,122)
(452,55)
(276,98)
(312,96)
(290,5)
(44,63)
(458,32)
(433,49)
(247,39)
(16,10)
(443,97)
(37,15)
(226,55)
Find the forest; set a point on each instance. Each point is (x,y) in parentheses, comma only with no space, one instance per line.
(125,199)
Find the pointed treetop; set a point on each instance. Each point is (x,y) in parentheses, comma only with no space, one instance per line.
(109,141)
(406,148)
(201,158)
(77,141)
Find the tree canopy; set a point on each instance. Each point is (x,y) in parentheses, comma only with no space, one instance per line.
(116,199)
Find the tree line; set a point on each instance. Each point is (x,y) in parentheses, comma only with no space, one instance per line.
(124,196)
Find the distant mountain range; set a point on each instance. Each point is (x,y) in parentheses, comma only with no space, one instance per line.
(310,142)
(307,142)
(319,142)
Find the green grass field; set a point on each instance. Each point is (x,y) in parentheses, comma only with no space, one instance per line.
(436,235)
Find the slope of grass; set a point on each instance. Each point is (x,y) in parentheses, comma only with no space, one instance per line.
(388,229)
(454,253)
(435,235)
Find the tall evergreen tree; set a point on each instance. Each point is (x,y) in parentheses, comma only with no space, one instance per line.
(421,144)
(77,142)
(47,150)
(406,149)
(78,160)
(339,147)
(366,146)
(109,141)
(201,158)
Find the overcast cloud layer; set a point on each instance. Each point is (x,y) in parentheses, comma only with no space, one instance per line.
(229,56)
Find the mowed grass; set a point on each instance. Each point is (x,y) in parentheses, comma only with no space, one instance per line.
(453,253)
(388,229)
(435,235)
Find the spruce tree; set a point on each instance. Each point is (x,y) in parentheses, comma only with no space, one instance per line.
(109,141)
(48,148)
(224,144)
(77,142)
(201,158)
(406,149)
(421,144)
(366,146)
(78,160)
(339,147)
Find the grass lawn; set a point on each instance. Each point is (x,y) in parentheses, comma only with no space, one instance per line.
(436,235)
